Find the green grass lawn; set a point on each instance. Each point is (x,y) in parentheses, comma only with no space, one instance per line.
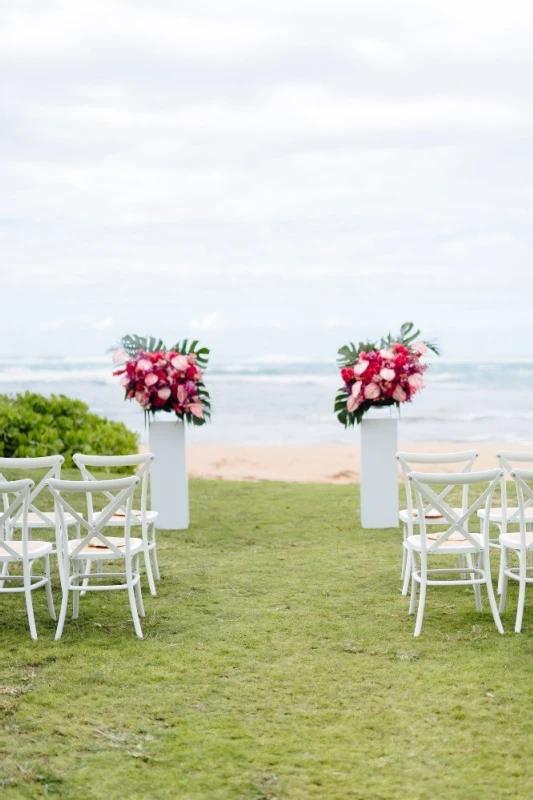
(279,662)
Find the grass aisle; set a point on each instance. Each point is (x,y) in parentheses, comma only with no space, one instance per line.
(279,662)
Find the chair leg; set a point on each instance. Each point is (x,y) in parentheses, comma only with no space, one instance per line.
(76,594)
(157,575)
(422,598)
(133,602)
(408,570)
(404,559)
(29,600)
(5,571)
(86,568)
(490,591)
(503,580)
(48,587)
(138,591)
(149,575)
(414,584)
(521,596)
(477,588)
(64,605)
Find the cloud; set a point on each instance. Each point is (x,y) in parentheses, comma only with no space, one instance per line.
(52,325)
(101,324)
(208,323)
(296,162)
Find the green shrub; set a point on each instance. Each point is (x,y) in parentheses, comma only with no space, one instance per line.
(34,425)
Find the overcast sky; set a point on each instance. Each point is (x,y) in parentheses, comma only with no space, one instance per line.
(274,175)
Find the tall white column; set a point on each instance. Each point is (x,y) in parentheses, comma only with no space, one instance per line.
(169,479)
(379,470)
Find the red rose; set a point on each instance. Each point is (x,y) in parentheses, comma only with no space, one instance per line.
(191,373)
(400,348)
(400,360)
(347,374)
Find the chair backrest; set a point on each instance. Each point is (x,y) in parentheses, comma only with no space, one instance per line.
(143,461)
(51,463)
(17,507)
(524,494)
(424,484)
(508,460)
(463,460)
(118,492)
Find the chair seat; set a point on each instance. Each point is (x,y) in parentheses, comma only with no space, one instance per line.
(35,521)
(450,546)
(91,551)
(36,549)
(512,540)
(120,519)
(496,514)
(430,519)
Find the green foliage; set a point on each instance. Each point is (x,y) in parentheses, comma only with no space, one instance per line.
(278,662)
(34,425)
(132,343)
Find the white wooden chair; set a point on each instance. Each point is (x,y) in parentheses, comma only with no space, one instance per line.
(144,517)
(521,543)
(37,518)
(97,546)
(23,552)
(409,518)
(456,539)
(508,515)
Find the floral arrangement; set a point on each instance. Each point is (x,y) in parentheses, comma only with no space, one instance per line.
(381,374)
(164,379)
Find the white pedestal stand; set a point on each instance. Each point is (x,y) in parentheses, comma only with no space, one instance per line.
(379,470)
(169,479)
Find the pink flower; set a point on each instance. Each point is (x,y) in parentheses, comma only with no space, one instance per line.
(356,389)
(386,354)
(182,394)
(150,379)
(180,363)
(164,393)
(415,381)
(119,356)
(353,403)
(124,381)
(372,391)
(387,374)
(399,394)
(196,409)
(143,399)
(360,367)
(143,365)
(420,348)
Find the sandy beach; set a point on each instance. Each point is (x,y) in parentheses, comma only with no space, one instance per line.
(310,463)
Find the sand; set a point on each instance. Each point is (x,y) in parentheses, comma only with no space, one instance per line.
(311,463)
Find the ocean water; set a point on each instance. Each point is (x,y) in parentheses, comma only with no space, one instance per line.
(279,400)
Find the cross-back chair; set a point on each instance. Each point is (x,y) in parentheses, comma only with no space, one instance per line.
(520,543)
(95,545)
(455,540)
(409,517)
(144,517)
(507,515)
(23,551)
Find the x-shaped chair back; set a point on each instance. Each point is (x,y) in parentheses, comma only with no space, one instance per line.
(18,506)
(52,463)
(524,492)
(408,461)
(422,483)
(508,460)
(144,463)
(120,491)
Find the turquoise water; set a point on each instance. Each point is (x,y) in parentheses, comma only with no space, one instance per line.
(281,400)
